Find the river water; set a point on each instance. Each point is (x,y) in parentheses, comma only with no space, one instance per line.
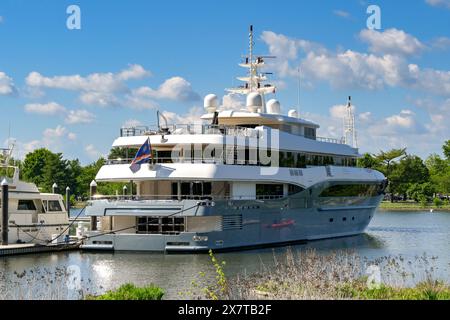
(408,234)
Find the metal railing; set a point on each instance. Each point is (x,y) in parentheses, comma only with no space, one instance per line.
(183,197)
(183,129)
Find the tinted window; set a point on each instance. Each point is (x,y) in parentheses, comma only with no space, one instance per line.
(26,205)
(53,205)
(350,190)
(293,189)
(269,190)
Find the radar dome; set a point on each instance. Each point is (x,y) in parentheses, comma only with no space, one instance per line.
(254,102)
(293,113)
(273,106)
(210,103)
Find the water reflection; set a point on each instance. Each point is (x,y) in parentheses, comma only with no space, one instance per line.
(389,234)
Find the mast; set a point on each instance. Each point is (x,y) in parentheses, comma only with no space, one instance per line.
(254,79)
(350,137)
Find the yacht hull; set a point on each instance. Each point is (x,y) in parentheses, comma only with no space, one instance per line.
(249,225)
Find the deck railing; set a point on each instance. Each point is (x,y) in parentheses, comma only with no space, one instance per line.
(178,129)
(183,197)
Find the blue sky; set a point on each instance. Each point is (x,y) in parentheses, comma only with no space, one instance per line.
(71,90)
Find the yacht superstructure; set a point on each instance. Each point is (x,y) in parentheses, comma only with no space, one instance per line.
(241,178)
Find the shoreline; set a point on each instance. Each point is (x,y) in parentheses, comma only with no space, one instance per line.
(409,206)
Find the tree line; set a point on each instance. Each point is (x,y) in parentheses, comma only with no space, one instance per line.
(409,176)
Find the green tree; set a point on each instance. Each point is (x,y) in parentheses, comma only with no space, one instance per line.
(368,161)
(439,173)
(33,165)
(388,158)
(410,169)
(56,170)
(446,149)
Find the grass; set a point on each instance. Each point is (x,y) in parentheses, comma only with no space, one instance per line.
(428,290)
(411,206)
(131,292)
(307,275)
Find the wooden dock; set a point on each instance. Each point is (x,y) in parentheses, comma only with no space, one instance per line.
(27,248)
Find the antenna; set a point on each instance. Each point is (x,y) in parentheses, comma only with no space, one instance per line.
(251,57)
(349,126)
(298,93)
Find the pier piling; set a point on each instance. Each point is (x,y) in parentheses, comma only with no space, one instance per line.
(93,191)
(5,190)
(68,201)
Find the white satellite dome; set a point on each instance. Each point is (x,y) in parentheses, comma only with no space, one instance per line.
(293,113)
(210,103)
(254,101)
(273,106)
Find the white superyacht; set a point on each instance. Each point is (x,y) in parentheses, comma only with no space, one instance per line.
(241,179)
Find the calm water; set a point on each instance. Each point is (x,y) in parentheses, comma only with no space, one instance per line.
(410,234)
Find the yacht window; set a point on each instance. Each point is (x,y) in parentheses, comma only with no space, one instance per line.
(350,190)
(269,190)
(26,205)
(310,133)
(53,205)
(294,189)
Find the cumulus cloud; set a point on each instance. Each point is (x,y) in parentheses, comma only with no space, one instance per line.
(441,43)
(7,87)
(51,108)
(79,116)
(175,88)
(92,152)
(391,41)
(232,101)
(191,117)
(132,123)
(439,3)
(386,66)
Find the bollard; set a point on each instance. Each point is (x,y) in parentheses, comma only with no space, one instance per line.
(124,190)
(54,187)
(68,201)
(93,191)
(5,190)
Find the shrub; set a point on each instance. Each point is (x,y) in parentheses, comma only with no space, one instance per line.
(131,292)
(437,202)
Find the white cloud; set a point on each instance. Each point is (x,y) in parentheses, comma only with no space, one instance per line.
(175,88)
(342,13)
(441,43)
(132,123)
(51,108)
(391,41)
(191,117)
(97,82)
(101,99)
(92,152)
(352,69)
(232,101)
(439,3)
(79,116)
(7,87)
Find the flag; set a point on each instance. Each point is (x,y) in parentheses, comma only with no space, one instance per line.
(143,155)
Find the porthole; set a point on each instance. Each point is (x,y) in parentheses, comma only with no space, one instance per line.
(353,218)
(331,219)
(344,219)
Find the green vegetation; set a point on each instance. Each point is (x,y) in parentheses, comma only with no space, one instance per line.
(44,168)
(437,204)
(428,290)
(412,178)
(131,292)
(339,275)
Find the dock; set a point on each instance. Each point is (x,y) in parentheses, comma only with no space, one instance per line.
(27,248)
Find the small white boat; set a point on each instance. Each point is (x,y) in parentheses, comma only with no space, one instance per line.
(34,217)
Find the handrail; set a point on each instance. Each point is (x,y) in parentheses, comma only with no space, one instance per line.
(182,197)
(183,129)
